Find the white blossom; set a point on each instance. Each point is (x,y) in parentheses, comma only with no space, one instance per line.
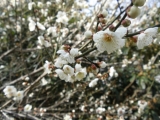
(69,56)
(146,38)
(67,117)
(32,25)
(28,108)
(100,110)
(102,64)
(142,105)
(112,72)
(68,69)
(109,41)
(61,74)
(47,67)
(18,96)
(125,62)
(52,30)
(59,62)
(42,42)
(31,5)
(80,72)
(157,78)
(62,17)
(40,4)
(10,91)
(93,82)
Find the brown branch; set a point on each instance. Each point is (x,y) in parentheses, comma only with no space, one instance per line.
(22,77)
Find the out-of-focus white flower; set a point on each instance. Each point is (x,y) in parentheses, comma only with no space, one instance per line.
(121,111)
(42,42)
(32,25)
(2,66)
(68,69)
(64,31)
(40,26)
(142,105)
(100,110)
(110,41)
(80,72)
(62,17)
(28,108)
(104,12)
(102,64)
(146,38)
(18,96)
(69,56)
(74,52)
(59,62)
(61,74)
(112,72)
(52,30)
(125,62)
(48,3)
(10,91)
(88,34)
(18,28)
(157,78)
(146,67)
(44,82)
(67,117)
(26,78)
(47,67)
(93,82)
(40,4)
(31,5)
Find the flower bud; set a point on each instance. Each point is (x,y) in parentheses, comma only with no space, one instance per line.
(133,11)
(126,22)
(88,34)
(111,28)
(139,2)
(104,13)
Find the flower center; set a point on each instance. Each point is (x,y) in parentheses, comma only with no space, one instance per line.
(107,37)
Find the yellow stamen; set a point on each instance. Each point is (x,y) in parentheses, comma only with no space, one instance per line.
(107,37)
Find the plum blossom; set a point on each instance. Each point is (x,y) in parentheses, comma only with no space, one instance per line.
(112,72)
(70,55)
(67,117)
(142,105)
(146,38)
(42,42)
(32,25)
(66,74)
(59,62)
(157,78)
(18,96)
(47,67)
(100,110)
(80,72)
(93,82)
(109,41)
(52,31)
(27,108)
(62,17)
(31,5)
(10,91)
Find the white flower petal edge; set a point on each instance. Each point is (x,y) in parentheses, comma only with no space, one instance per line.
(146,38)
(109,41)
